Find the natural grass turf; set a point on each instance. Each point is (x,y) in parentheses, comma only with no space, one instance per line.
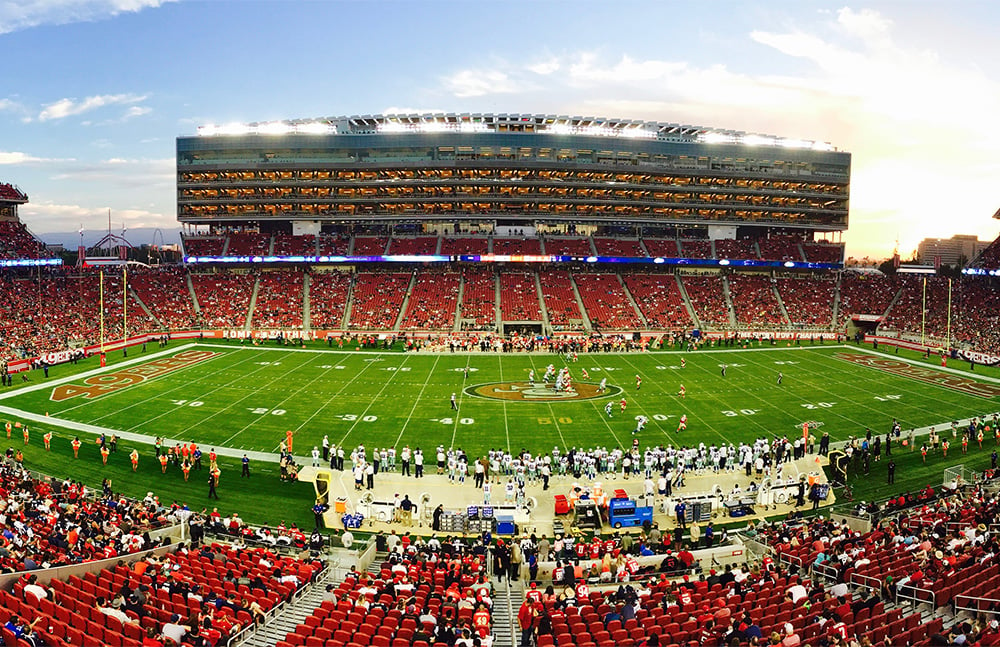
(249,396)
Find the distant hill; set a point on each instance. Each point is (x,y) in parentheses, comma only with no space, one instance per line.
(139,236)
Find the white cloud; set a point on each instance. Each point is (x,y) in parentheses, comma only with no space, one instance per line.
(405,110)
(17,157)
(477,83)
(121,172)
(67,107)
(24,14)
(136,111)
(910,115)
(544,68)
(46,216)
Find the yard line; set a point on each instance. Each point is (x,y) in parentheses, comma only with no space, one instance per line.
(251,393)
(506,426)
(377,395)
(290,396)
(317,351)
(601,415)
(840,397)
(92,372)
(693,415)
(551,413)
(333,398)
(908,404)
(229,384)
(415,402)
(186,385)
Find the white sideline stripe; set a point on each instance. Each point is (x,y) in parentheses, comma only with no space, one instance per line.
(94,371)
(126,435)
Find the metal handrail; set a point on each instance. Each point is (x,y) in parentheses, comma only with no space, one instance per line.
(912,595)
(993,604)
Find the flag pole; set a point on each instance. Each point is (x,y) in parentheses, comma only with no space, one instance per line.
(923,313)
(948,340)
(102,308)
(124,309)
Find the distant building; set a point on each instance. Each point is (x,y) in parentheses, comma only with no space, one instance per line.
(950,251)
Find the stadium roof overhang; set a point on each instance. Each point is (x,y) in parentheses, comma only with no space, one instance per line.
(508,123)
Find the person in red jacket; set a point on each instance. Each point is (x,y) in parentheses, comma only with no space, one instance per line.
(526,617)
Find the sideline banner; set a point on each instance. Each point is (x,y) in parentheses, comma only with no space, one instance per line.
(979,358)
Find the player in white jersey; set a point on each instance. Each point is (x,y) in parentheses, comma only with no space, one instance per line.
(603,386)
(531,377)
(607,408)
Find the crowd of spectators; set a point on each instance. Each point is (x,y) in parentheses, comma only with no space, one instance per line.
(707,299)
(560,301)
(164,290)
(519,297)
(755,302)
(606,303)
(469,245)
(424,245)
(808,301)
(377,299)
(17,242)
(328,292)
(563,246)
(432,301)
(479,297)
(279,300)
(659,299)
(223,298)
(427,591)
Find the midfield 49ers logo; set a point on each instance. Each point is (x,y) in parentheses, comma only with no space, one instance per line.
(525,392)
(98,385)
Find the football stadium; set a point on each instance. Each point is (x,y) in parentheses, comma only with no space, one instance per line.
(496,379)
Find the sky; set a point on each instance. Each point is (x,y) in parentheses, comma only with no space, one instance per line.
(95,92)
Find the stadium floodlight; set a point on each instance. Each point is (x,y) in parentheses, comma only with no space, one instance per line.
(274,128)
(637,133)
(795,143)
(208,131)
(472,127)
(717,138)
(433,127)
(757,140)
(316,128)
(823,146)
(391,127)
(559,129)
(234,129)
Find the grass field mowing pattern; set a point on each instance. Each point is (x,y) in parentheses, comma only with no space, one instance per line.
(247,397)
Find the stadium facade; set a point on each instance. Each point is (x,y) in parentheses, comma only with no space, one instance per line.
(514,169)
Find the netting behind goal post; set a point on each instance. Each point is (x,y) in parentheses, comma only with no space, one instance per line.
(956,476)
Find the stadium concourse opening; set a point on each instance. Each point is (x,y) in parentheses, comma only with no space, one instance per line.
(475,334)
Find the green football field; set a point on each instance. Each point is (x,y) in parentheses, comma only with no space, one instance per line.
(247,397)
